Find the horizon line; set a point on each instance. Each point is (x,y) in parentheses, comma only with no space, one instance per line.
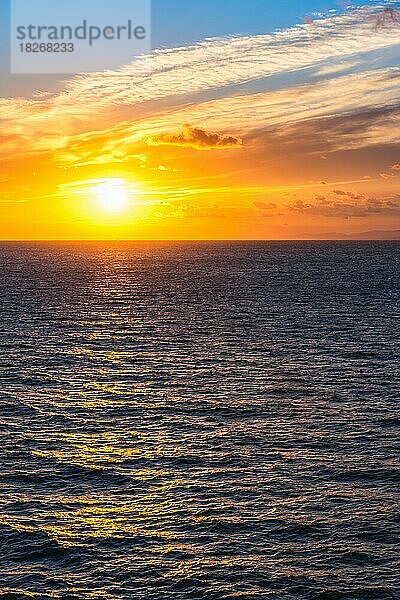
(193,240)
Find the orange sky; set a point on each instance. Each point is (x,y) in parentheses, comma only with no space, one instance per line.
(294,140)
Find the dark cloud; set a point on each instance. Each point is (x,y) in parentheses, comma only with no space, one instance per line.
(331,207)
(325,135)
(196,137)
(349,195)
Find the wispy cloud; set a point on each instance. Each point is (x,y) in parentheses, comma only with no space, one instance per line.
(355,111)
(110,100)
(333,69)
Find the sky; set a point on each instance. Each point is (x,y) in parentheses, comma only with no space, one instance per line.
(248,120)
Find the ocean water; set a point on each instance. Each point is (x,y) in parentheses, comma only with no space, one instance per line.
(200,421)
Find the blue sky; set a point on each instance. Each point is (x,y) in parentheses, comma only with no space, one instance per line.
(180,22)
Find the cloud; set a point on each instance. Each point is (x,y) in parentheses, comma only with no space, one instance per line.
(324,206)
(265,205)
(377,126)
(332,69)
(195,137)
(349,195)
(162,82)
(386,17)
(354,111)
(199,212)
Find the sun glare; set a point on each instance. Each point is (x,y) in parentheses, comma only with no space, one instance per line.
(111,195)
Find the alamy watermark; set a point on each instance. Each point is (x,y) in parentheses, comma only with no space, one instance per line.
(73,36)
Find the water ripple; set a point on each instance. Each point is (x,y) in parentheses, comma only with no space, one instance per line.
(199,421)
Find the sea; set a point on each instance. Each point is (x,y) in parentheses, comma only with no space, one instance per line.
(199,420)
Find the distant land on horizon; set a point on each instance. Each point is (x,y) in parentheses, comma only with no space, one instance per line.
(380,235)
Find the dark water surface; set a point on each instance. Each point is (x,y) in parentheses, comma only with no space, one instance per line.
(189,421)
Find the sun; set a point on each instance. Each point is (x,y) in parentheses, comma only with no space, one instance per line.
(111,195)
